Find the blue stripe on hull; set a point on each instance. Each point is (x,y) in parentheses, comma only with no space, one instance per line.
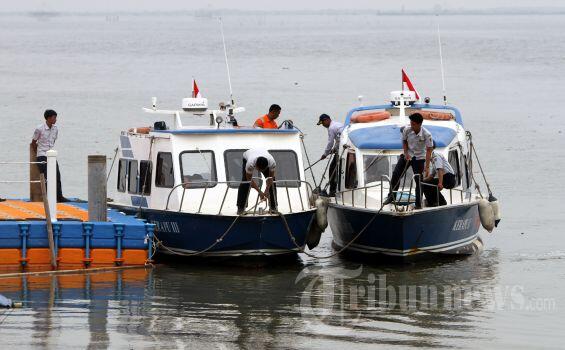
(259,235)
(448,229)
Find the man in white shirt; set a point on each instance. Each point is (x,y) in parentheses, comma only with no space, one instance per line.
(442,176)
(417,144)
(44,138)
(334,132)
(262,161)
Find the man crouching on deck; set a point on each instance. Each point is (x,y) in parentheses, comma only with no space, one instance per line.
(262,161)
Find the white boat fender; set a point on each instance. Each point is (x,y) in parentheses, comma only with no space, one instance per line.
(495,209)
(486,214)
(314,234)
(322,212)
(318,224)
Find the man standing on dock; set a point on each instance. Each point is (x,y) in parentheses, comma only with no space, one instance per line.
(268,120)
(262,161)
(418,144)
(44,138)
(334,131)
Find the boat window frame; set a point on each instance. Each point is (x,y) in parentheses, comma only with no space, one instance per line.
(456,167)
(122,180)
(382,155)
(283,183)
(158,169)
(149,170)
(129,177)
(213,169)
(348,172)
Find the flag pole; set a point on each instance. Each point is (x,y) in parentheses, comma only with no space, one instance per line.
(441,65)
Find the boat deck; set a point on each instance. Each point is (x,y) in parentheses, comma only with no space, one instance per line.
(20,210)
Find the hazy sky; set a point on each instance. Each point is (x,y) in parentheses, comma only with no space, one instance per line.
(171,5)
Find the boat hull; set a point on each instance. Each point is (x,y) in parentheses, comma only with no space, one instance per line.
(446,230)
(192,234)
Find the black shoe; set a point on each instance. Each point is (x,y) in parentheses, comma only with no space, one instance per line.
(240,211)
(388,200)
(2,199)
(63,200)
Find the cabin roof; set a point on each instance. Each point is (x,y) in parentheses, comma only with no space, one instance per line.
(388,136)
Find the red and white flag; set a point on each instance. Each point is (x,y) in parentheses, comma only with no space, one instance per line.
(195,90)
(406,80)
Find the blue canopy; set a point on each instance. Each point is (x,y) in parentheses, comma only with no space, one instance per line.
(389,137)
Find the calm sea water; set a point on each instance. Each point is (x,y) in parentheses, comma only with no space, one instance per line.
(505,73)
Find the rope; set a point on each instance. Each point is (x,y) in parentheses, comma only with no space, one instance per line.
(112,166)
(481,168)
(308,159)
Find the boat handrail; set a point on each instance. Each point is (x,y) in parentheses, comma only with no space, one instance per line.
(386,178)
(230,185)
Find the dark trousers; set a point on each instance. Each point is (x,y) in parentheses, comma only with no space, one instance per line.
(433,195)
(43,170)
(333,174)
(417,168)
(244,188)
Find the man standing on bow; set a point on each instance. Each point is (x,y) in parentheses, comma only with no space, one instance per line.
(334,132)
(44,138)
(417,144)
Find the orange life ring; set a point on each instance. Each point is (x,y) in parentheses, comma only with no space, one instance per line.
(370,117)
(140,130)
(429,115)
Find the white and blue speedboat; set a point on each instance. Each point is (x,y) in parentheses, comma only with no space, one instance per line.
(185,179)
(370,146)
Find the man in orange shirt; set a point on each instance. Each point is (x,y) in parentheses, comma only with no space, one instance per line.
(268,120)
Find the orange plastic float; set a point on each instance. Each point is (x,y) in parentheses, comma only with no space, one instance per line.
(370,117)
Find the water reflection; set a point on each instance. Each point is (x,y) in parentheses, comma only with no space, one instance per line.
(289,305)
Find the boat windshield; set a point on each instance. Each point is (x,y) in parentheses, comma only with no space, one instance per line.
(198,169)
(375,166)
(287,167)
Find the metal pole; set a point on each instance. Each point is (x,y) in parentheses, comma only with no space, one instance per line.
(52,183)
(97,210)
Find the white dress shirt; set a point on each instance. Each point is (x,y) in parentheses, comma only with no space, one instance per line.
(45,138)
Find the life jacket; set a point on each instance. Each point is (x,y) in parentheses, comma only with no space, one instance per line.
(266,123)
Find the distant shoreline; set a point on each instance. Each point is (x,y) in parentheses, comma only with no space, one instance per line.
(327,12)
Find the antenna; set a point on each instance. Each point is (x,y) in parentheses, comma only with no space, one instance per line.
(441,64)
(226,56)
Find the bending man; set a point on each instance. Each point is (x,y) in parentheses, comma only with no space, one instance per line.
(442,176)
(263,162)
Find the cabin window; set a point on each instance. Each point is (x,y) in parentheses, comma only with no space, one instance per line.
(454,162)
(132,176)
(145,177)
(122,175)
(467,176)
(164,176)
(408,174)
(198,169)
(287,168)
(375,167)
(350,171)
(233,160)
